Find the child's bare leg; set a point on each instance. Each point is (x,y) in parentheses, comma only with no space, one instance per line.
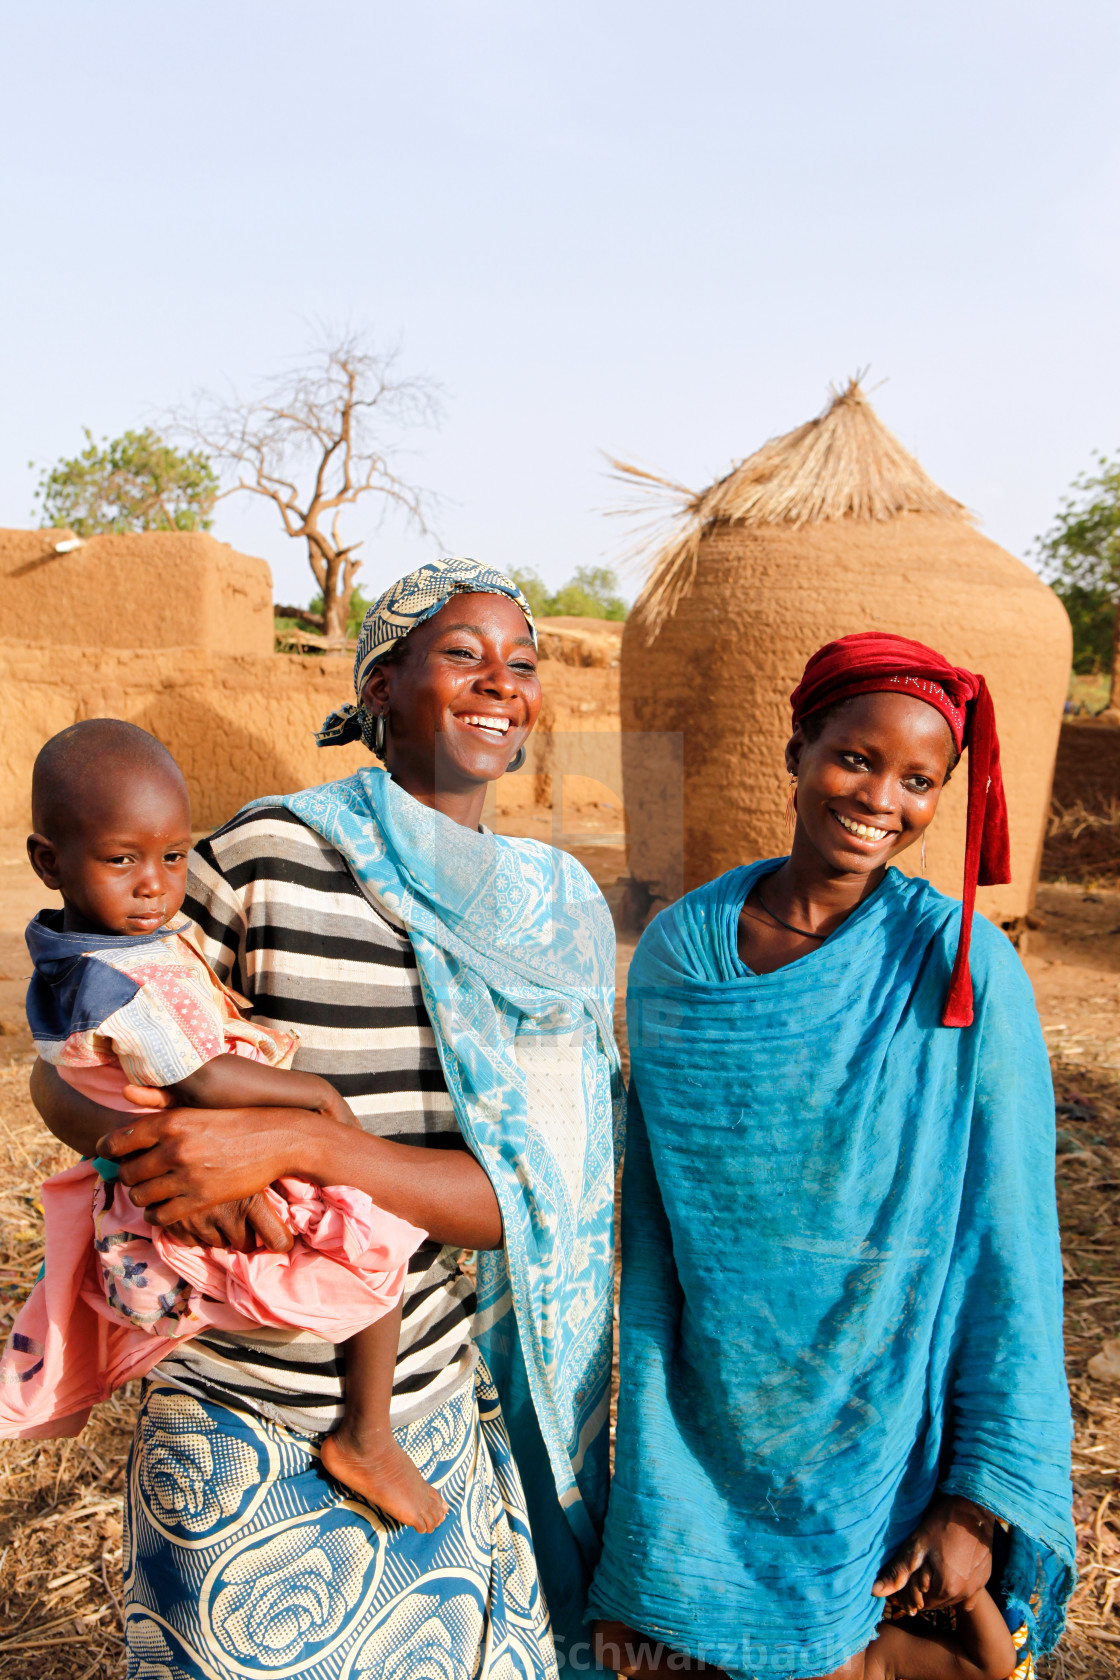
(853,1669)
(622,1650)
(362,1453)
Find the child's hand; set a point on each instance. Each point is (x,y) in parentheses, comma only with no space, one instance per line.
(149,1096)
(273,1233)
(337,1108)
(946,1560)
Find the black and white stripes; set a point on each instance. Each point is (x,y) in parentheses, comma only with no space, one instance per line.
(278,914)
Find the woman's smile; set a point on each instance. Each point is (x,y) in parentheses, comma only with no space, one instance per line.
(860,830)
(490,723)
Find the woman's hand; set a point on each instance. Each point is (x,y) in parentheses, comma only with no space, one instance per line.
(80,1124)
(250,1222)
(245,1225)
(179,1162)
(947,1559)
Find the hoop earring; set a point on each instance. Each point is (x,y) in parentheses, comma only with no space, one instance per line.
(791,805)
(379,734)
(516,761)
(923,854)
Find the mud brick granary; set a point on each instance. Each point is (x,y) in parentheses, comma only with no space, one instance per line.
(831,529)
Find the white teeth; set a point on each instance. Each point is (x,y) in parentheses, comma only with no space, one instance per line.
(496,725)
(862,829)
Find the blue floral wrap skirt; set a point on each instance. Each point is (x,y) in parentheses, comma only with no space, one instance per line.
(243,1558)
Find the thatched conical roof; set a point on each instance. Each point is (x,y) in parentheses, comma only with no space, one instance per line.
(845,464)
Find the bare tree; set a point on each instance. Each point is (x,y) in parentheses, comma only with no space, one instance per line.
(312,444)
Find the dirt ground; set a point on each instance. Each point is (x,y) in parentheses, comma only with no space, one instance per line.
(60,1524)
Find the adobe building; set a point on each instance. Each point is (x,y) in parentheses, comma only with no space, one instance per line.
(151,589)
(170,630)
(174,631)
(830,529)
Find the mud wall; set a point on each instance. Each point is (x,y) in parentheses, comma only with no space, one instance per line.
(151,589)
(239,726)
(173,631)
(242,726)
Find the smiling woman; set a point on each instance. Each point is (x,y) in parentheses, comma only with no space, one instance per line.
(456,987)
(840,1334)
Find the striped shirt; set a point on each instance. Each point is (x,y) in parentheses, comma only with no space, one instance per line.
(280,918)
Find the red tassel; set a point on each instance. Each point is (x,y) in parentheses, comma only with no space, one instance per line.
(987,851)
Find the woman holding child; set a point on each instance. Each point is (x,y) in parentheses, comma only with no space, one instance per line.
(456,990)
(841,1354)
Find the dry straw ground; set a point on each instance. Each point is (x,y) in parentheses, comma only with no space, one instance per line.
(1089,1205)
(1083,842)
(60,1502)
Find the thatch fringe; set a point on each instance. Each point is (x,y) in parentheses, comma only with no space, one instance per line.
(845,464)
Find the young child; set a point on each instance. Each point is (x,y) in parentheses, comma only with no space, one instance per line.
(120,997)
(980,1648)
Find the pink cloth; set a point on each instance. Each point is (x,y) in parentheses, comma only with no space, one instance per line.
(70,1347)
(180,1017)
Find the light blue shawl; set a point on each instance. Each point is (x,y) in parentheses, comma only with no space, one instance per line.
(515,948)
(841,1281)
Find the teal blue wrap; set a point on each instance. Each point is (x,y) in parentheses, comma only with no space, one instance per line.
(841,1281)
(515,949)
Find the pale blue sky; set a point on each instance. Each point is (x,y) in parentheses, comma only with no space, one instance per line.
(658,229)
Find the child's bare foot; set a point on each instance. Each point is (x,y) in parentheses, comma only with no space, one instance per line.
(385,1476)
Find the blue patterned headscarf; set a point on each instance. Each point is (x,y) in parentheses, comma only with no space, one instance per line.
(404,605)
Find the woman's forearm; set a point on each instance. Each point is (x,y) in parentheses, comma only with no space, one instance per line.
(180,1161)
(72,1117)
(444,1191)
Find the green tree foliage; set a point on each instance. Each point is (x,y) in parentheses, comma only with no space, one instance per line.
(534,589)
(591,593)
(1081,559)
(135,482)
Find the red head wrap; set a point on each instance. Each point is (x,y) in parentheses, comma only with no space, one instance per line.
(871,663)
